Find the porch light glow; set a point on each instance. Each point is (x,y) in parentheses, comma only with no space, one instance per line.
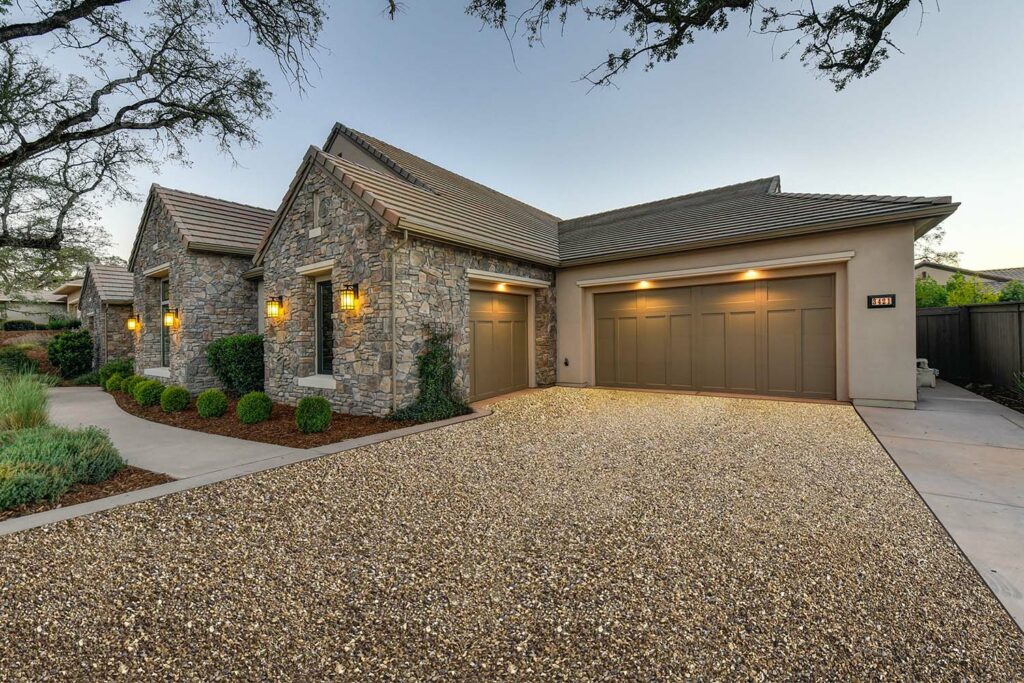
(348,296)
(750,274)
(133,322)
(170,317)
(643,284)
(275,305)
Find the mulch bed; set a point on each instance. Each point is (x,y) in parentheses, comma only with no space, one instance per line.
(280,429)
(1004,395)
(128,479)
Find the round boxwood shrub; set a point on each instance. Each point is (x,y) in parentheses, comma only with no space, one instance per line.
(147,392)
(129,383)
(122,366)
(173,399)
(313,414)
(114,382)
(212,403)
(254,407)
(71,353)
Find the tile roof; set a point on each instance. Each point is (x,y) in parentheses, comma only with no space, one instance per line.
(1011,273)
(113,283)
(409,192)
(38,297)
(210,224)
(69,287)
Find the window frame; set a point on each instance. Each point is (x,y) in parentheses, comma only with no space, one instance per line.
(323,365)
(164,288)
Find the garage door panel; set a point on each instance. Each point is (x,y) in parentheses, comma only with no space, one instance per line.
(817,344)
(625,351)
(615,304)
(731,294)
(783,339)
(711,351)
(800,289)
(741,351)
(499,355)
(605,351)
(680,352)
(653,347)
(656,301)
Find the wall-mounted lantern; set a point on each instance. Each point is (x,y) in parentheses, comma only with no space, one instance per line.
(349,297)
(134,322)
(170,317)
(275,306)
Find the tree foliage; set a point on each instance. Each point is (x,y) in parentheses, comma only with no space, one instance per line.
(841,41)
(929,248)
(962,290)
(929,293)
(1012,291)
(143,80)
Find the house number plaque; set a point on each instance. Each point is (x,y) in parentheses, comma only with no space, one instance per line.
(881,301)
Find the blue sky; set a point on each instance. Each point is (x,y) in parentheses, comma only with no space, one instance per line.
(943,118)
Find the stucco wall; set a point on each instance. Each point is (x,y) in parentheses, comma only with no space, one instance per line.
(875,347)
(208,292)
(432,286)
(107,325)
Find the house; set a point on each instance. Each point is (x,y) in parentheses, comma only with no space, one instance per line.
(105,305)
(742,289)
(996,278)
(37,306)
(187,265)
(70,292)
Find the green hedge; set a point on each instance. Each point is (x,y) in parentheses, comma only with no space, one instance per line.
(18,325)
(71,353)
(113,382)
(15,361)
(122,366)
(129,383)
(313,414)
(212,403)
(147,392)
(88,379)
(173,399)
(44,462)
(237,361)
(63,324)
(254,407)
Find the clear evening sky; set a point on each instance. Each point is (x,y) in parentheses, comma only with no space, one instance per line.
(945,118)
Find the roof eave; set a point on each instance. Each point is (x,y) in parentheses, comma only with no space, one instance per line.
(212,247)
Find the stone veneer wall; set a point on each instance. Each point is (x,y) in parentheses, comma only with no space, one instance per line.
(208,291)
(432,287)
(107,324)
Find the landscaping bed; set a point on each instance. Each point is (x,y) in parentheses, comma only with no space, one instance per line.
(128,479)
(1003,395)
(280,429)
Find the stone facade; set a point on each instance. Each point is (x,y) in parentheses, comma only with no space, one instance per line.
(432,286)
(107,324)
(208,291)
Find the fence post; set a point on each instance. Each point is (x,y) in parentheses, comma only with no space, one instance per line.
(964,328)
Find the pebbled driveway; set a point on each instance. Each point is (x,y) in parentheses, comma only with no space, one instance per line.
(574,534)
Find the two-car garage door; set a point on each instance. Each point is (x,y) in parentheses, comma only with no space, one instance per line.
(774,337)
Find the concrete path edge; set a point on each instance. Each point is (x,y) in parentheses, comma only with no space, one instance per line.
(39,519)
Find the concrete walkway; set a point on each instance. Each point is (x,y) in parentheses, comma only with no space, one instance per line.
(965,455)
(181,453)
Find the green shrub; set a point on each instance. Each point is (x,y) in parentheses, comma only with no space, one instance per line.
(18,325)
(23,401)
(122,366)
(44,462)
(129,383)
(965,291)
(212,403)
(147,392)
(313,414)
(63,323)
(14,360)
(114,382)
(438,399)
(71,353)
(1012,291)
(89,379)
(173,399)
(929,293)
(254,407)
(237,361)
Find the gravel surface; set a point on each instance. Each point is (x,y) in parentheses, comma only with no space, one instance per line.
(575,534)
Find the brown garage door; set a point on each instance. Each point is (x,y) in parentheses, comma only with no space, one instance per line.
(497,349)
(765,337)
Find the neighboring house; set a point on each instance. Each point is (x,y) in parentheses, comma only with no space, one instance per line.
(39,307)
(188,261)
(70,292)
(742,289)
(105,306)
(997,278)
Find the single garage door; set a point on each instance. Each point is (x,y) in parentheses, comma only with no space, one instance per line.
(773,337)
(498,354)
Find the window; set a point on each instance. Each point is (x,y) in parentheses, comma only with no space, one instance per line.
(324,328)
(165,332)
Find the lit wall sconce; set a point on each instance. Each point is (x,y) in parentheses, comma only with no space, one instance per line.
(170,317)
(134,322)
(275,306)
(349,297)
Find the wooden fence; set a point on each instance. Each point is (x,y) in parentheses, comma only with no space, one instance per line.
(983,343)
